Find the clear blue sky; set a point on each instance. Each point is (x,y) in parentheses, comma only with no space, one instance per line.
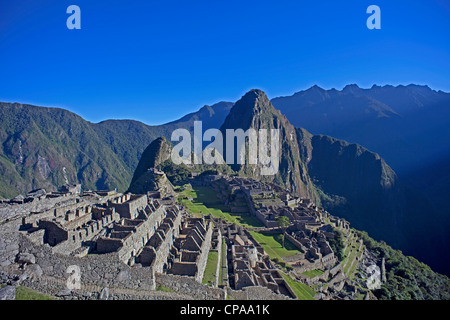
(155,61)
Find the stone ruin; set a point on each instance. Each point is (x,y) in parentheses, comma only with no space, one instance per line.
(106,231)
(190,251)
(248,264)
(149,240)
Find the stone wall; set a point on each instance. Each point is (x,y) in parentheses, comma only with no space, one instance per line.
(104,270)
(162,252)
(295,242)
(255,293)
(9,248)
(17,211)
(314,280)
(184,268)
(218,248)
(68,237)
(133,244)
(190,286)
(204,252)
(131,207)
(71,204)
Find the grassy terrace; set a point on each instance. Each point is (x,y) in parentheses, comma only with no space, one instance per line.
(351,252)
(164,289)
(209,277)
(205,202)
(273,247)
(223,272)
(24,293)
(301,290)
(313,273)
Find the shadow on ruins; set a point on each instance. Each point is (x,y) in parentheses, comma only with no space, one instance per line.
(145,242)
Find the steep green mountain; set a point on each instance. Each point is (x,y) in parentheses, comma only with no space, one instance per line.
(129,138)
(255,111)
(406,277)
(47,147)
(407,125)
(211,116)
(158,155)
(347,179)
(154,156)
(358,185)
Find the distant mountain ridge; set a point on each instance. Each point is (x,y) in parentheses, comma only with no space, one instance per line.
(406,125)
(211,116)
(254,110)
(347,179)
(46,147)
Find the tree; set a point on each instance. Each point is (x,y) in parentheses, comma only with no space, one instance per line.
(283,222)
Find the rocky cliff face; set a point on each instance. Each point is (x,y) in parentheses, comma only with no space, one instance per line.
(255,111)
(147,176)
(355,184)
(347,179)
(156,153)
(47,147)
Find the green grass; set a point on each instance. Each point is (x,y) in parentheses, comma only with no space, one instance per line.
(207,196)
(209,277)
(164,289)
(205,202)
(24,293)
(273,247)
(349,254)
(352,270)
(223,266)
(301,290)
(313,273)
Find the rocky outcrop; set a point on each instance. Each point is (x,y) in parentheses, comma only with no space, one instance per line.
(255,111)
(8,293)
(147,176)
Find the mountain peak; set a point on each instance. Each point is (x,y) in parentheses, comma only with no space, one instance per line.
(253,102)
(351,88)
(316,88)
(158,151)
(255,94)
